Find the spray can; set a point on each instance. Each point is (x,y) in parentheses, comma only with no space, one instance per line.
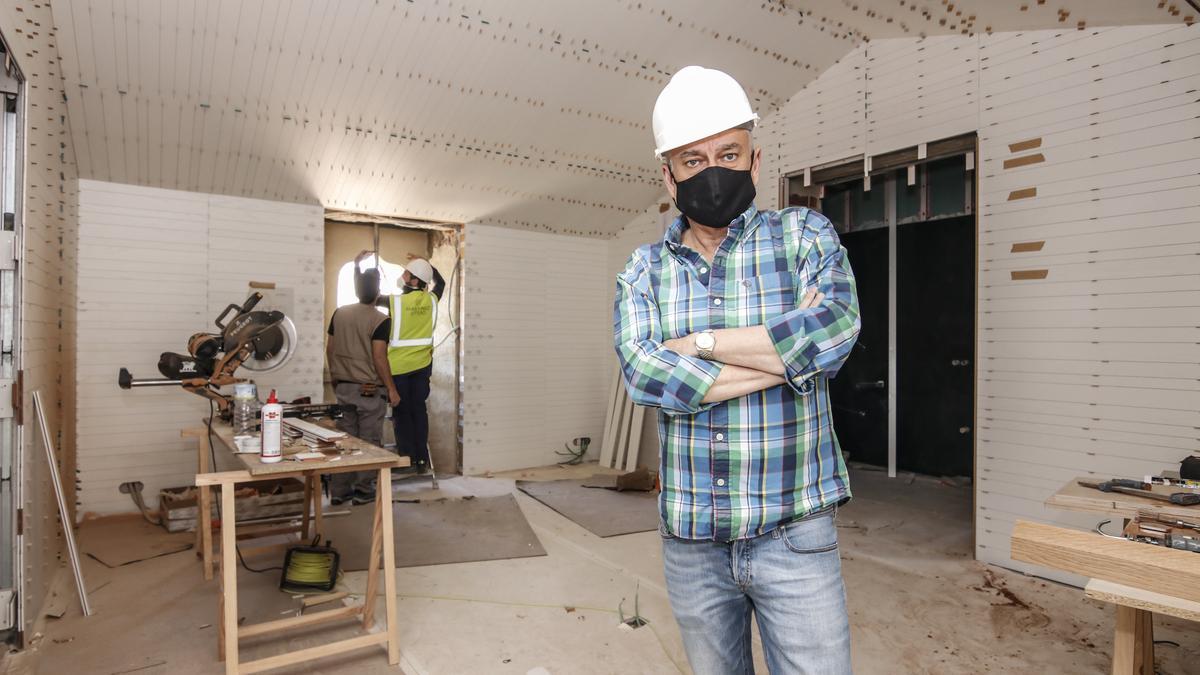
(272,418)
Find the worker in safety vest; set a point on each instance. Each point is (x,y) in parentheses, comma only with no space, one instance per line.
(413,316)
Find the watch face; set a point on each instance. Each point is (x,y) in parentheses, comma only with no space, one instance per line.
(705,341)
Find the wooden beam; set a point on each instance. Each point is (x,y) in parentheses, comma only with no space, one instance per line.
(313,653)
(291,622)
(1152,568)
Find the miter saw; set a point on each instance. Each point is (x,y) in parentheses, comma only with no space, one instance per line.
(261,341)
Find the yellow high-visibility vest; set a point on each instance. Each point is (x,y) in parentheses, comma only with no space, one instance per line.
(414,316)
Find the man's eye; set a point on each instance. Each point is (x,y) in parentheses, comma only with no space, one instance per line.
(691,163)
(731,157)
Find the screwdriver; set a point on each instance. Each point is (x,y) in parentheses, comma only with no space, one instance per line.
(1178,498)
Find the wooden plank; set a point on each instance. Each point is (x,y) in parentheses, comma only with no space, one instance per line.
(1153,568)
(1140,598)
(1025,275)
(311,653)
(609,441)
(223,478)
(278,625)
(633,439)
(1024,161)
(1022,146)
(1075,497)
(64,515)
(1027,246)
(1024,193)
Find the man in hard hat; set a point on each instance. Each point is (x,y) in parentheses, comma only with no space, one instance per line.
(413,317)
(362,381)
(732,325)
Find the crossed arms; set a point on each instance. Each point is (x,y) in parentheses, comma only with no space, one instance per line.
(812,339)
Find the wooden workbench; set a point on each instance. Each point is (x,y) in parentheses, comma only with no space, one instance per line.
(1133,642)
(363,457)
(1075,497)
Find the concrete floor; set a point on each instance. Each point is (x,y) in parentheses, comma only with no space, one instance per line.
(918,602)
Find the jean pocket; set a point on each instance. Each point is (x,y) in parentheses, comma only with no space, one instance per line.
(815,534)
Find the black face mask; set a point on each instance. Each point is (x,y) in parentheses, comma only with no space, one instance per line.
(715,196)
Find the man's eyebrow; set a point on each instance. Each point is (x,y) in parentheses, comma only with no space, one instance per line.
(690,153)
(729,146)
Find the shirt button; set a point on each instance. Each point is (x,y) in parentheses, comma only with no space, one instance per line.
(717,301)
(720,482)
(703,270)
(720,437)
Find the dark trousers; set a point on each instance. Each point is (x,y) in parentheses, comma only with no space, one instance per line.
(409,419)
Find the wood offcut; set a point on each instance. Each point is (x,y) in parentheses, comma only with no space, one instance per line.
(1027,246)
(1026,275)
(1025,193)
(1015,162)
(1022,146)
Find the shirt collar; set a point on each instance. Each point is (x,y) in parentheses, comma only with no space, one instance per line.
(674,236)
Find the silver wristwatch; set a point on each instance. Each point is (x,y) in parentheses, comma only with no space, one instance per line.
(706,342)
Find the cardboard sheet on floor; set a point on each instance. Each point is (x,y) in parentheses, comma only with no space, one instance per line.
(123,540)
(439,532)
(604,513)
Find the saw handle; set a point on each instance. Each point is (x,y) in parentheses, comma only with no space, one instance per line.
(242,309)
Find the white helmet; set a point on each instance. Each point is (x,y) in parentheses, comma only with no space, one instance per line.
(697,103)
(421,269)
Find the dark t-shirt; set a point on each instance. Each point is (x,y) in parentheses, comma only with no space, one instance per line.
(381,332)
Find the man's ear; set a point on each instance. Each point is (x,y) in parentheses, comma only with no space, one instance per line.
(668,179)
(755,165)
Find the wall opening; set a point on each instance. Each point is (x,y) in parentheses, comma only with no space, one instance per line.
(397,242)
(905,398)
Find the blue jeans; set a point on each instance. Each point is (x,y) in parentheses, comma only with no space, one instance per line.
(790,579)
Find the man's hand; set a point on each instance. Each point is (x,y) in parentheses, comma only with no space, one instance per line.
(812,298)
(363,256)
(684,346)
(393,398)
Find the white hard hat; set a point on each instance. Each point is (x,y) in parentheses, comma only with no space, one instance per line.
(421,269)
(697,103)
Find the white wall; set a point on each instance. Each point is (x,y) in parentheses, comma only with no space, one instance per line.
(537,340)
(1095,368)
(156,266)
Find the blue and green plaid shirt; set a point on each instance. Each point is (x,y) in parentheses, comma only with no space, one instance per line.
(742,467)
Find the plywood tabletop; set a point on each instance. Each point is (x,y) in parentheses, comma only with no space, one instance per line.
(357,454)
(1075,497)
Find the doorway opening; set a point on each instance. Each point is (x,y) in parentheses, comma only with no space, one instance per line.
(905,398)
(397,241)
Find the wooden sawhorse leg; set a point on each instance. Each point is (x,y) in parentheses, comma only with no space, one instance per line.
(229,603)
(204,507)
(383,538)
(1133,643)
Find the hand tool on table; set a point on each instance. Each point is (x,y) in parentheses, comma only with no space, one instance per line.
(1121,485)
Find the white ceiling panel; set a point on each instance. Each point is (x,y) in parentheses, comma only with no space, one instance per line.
(525,113)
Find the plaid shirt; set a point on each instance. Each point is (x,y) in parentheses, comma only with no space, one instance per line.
(742,467)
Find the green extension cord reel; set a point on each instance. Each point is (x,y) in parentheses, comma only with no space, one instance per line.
(310,568)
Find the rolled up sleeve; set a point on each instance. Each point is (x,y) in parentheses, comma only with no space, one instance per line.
(654,375)
(818,340)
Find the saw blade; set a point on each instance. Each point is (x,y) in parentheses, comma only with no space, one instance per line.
(273,348)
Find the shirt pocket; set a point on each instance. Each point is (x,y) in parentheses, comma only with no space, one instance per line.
(766,296)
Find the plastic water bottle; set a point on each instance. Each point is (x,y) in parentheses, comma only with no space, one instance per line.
(272,419)
(245,409)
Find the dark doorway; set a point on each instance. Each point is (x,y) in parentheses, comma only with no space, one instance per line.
(935,346)
(859,392)
(930,202)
